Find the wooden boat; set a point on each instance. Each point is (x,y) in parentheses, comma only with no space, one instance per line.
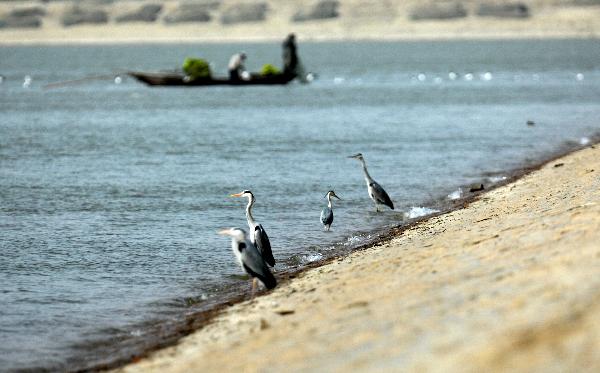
(177,79)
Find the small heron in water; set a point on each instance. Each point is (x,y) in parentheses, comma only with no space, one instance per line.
(257,233)
(376,192)
(249,258)
(327,212)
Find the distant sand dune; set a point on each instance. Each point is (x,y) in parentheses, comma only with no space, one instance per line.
(345,19)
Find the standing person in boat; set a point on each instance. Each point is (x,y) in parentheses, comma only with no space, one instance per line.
(290,58)
(236,67)
(291,62)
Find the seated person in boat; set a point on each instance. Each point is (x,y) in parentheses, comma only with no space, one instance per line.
(236,67)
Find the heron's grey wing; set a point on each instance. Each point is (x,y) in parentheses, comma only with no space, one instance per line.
(327,216)
(381,196)
(263,244)
(255,266)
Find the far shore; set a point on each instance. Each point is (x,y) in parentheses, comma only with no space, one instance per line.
(511,282)
(545,23)
(34,40)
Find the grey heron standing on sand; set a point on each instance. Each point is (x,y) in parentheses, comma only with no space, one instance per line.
(376,192)
(327,212)
(249,258)
(257,233)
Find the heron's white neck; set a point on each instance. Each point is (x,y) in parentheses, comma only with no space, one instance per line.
(249,217)
(329,200)
(368,177)
(235,246)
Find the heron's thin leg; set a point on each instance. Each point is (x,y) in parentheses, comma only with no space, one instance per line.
(254,280)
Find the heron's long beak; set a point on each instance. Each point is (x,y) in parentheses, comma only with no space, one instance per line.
(353,156)
(337,197)
(236,195)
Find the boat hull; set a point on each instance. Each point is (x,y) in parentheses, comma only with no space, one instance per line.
(179,80)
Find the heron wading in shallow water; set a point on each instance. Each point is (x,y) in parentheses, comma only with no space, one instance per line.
(327,212)
(249,258)
(258,236)
(376,191)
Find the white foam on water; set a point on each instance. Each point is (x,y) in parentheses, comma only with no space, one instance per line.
(579,76)
(452,75)
(338,80)
(27,81)
(456,194)
(421,77)
(417,212)
(584,140)
(496,179)
(353,240)
(469,76)
(309,258)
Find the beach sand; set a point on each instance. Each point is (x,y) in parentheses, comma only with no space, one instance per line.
(511,282)
(358,20)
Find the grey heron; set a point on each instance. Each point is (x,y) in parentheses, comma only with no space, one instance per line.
(257,234)
(376,192)
(327,212)
(249,258)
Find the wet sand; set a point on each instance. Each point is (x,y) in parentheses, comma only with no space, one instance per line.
(358,20)
(509,283)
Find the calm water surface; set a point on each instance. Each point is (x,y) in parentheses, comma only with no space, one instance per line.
(111,194)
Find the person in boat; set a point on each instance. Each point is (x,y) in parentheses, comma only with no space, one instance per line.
(236,66)
(292,66)
(290,57)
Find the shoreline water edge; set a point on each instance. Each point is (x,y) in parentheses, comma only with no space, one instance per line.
(165,274)
(507,275)
(164,339)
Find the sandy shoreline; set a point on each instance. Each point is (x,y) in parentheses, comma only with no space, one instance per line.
(357,21)
(512,282)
